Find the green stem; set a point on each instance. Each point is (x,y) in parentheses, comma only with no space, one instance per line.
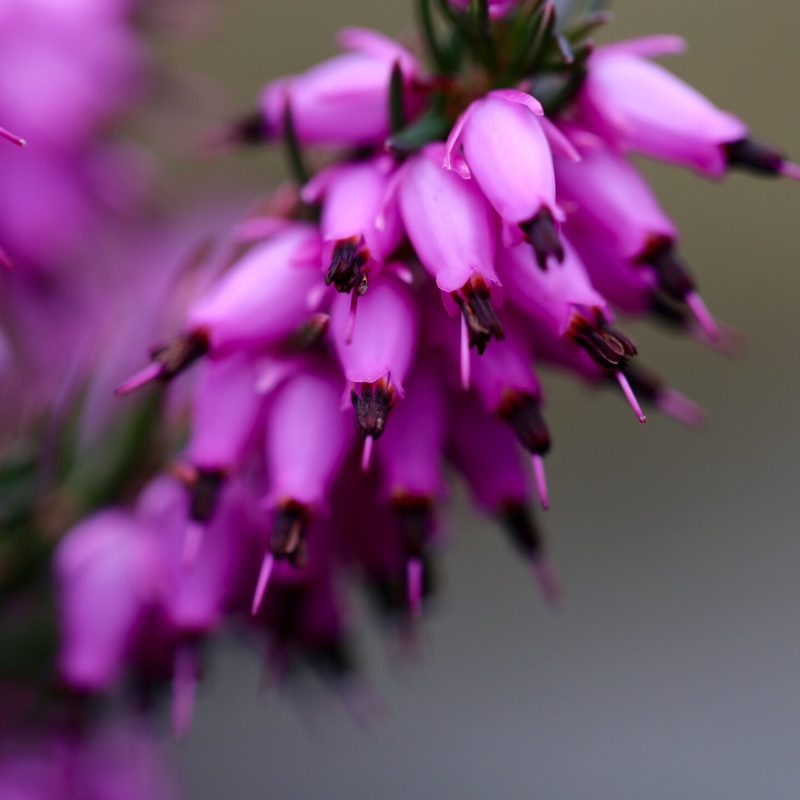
(437,53)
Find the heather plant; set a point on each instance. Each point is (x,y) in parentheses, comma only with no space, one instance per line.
(463,213)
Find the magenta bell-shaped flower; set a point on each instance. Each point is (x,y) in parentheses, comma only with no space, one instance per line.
(355,197)
(344,100)
(308,435)
(605,192)
(194,596)
(483,450)
(107,571)
(564,303)
(617,225)
(411,449)
(225,411)
(448,221)
(508,155)
(453,231)
(264,296)
(377,354)
(637,105)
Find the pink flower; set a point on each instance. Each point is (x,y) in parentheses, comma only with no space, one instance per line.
(263,297)
(507,153)
(376,355)
(344,100)
(107,573)
(411,448)
(225,410)
(355,197)
(451,226)
(308,435)
(618,226)
(483,450)
(637,105)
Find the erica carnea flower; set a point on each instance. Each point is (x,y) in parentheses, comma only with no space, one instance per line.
(384,322)
(401,316)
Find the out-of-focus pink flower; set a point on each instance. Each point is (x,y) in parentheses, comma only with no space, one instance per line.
(107,572)
(52,55)
(344,100)
(225,410)
(263,297)
(637,105)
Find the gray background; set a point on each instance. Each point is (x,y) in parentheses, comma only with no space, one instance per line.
(673,671)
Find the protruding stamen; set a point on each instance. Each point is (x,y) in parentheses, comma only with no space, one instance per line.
(630,396)
(348,260)
(465,365)
(541,233)
(541,480)
(673,275)
(150,373)
(703,316)
(790,170)
(651,388)
(679,407)
(372,407)
(168,361)
(288,538)
(757,157)
(184,687)
(366,453)
(249,130)
(608,347)
(522,410)
(547,581)
(414,583)
(205,493)
(526,537)
(4,134)
(476,307)
(263,581)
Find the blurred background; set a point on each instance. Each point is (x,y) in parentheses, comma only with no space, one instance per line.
(673,669)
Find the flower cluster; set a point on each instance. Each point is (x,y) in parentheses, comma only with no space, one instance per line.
(375,327)
(385,319)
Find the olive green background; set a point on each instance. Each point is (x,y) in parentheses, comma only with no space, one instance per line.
(673,670)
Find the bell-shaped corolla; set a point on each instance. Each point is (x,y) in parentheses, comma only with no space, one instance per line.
(635,104)
(345,99)
(107,573)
